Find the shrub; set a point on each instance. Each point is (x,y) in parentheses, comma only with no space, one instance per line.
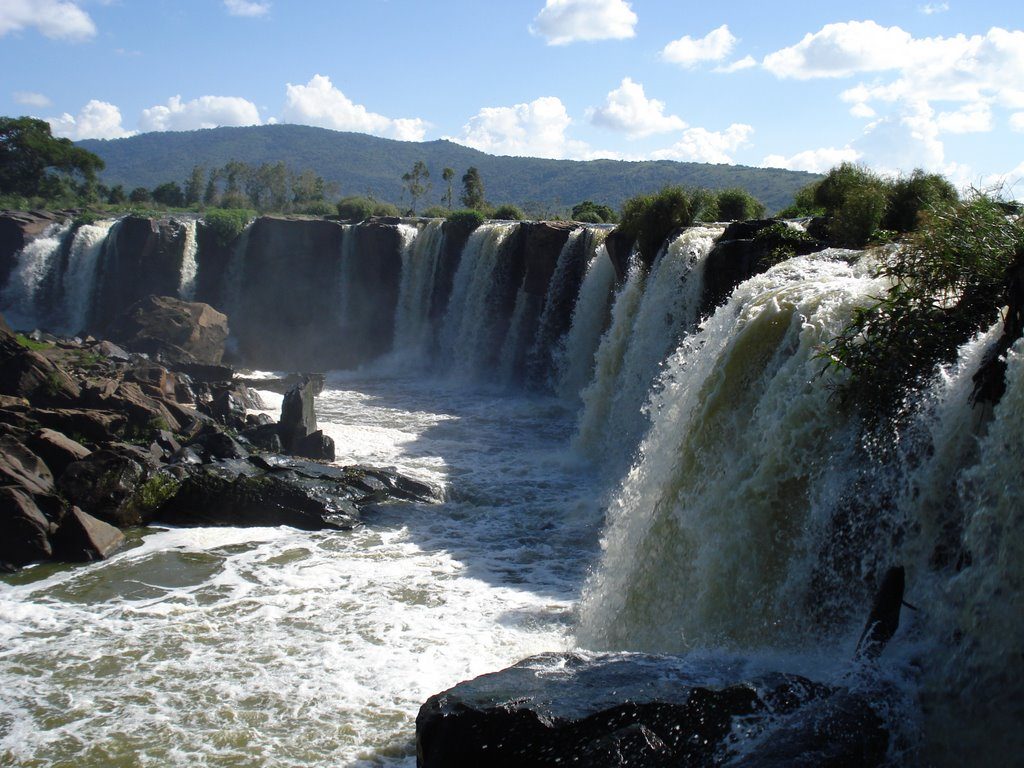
(910,195)
(781,242)
(227,223)
(359,208)
(737,205)
(649,219)
(590,212)
(436,212)
(948,283)
(803,203)
(466,220)
(317,208)
(507,212)
(852,224)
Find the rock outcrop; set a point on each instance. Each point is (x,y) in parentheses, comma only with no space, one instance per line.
(173,331)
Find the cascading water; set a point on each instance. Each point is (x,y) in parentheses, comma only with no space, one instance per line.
(80,279)
(232,289)
(420,254)
(574,355)
(189,265)
(470,324)
(34,264)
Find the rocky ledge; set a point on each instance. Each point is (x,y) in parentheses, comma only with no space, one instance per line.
(95,438)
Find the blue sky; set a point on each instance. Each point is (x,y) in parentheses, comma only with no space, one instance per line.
(894,84)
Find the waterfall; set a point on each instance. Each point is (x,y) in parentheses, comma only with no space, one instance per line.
(421,252)
(189,266)
(232,290)
(707,538)
(597,396)
(20,297)
(470,324)
(510,360)
(573,357)
(668,310)
(81,277)
(547,330)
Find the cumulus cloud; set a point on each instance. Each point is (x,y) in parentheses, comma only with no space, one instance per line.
(862,110)
(246,7)
(56,19)
(704,146)
(971,118)
(96,120)
(536,129)
(562,22)
(628,109)
(319,103)
(745,63)
(30,99)
(841,50)
(1017,122)
(929,9)
(813,160)
(204,112)
(688,52)
(899,143)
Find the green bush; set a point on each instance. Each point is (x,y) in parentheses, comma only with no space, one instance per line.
(507,212)
(803,204)
(948,283)
(436,212)
(466,220)
(737,205)
(589,212)
(781,242)
(910,195)
(649,219)
(853,223)
(358,208)
(317,208)
(227,223)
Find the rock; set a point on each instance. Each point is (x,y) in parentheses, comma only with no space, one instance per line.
(264,437)
(17,229)
(5,329)
(173,330)
(218,444)
(22,468)
(95,426)
(317,446)
(24,529)
(144,412)
(620,710)
(205,373)
(25,373)
(298,415)
(111,351)
(387,483)
(104,483)
(281,385)
(81,537)
(228,408)
(56,449)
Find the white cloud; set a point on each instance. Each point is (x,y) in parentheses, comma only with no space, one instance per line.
(97,120)
(971,118)
(704,146)
(840,50)
(911,140)
(246,7)
(567,21)
(1017,122)
(319,103)
(745,63)
(30,99)
(628,109)
(813,160)
(56,19)
(204,112)
(862,110)
(931,8)
(688,52)
(537,129)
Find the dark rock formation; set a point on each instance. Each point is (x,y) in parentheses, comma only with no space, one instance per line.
(56,449)
(17,229)
(81,537)
(25,373)
(637,710)
(298,416)
(105,483)
(20,467)
(24,529)
(173,330)
(315,445)
(619,248)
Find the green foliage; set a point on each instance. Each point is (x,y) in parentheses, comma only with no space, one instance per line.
(33,163)
(30,343)
(169,194)
(227,223)
(358,208)
(649,219)
(857,217)
(194,185)
(737,205)
(416,182)
(781,242)
(507,213)
(153,493)
(448,174)
(435,212)
(140,195)
(948,283)
(803,204)
(589,212)
(473,189)
(86,217)
(116,195)
(317,208)
(466,219)
(910,195)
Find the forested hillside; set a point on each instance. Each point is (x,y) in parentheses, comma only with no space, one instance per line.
(361,164)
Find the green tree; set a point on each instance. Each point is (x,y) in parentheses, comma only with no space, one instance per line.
(473,189)
(194,185)
(140,195)
(649,219)
(448,174)
(507,212)
(169,194)
(34,163)
(307,187)
(590,212)
(738,205)
(210,195)
(116,195)
(416,182)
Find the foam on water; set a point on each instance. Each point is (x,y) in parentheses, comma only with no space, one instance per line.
(216,647)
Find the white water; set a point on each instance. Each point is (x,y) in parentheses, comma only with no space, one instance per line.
(217,647)
(189,265)
(420,254)
(34,262)
(80,278)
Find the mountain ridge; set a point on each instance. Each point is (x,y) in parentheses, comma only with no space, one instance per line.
(363,164)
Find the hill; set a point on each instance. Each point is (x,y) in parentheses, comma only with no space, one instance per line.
(358,164)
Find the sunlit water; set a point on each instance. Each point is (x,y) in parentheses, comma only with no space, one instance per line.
(270,646)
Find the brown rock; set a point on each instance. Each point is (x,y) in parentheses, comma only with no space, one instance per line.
(24,373)
(103,483)
(96,426)
(24,530)
(82,537)
(20,467)
(173,330)
(56,449)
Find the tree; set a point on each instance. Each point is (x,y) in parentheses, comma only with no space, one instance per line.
(194,185)
(140,195)
(116,195)
(590,212)
(738,205)
(210,195)
(169,194)
(473,189)
(34,163)
(448,174)
(307,187)
(416,182)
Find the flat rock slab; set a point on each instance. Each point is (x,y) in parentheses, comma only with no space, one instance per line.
(638,710)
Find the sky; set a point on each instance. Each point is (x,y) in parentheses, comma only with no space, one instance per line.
(895,85)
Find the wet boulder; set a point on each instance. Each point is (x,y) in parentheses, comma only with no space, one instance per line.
(173,330)
(317,446)
(298,415)
(95,426)
(104,483)
(24,529)
(82,538)
(56,449)
(638,710)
